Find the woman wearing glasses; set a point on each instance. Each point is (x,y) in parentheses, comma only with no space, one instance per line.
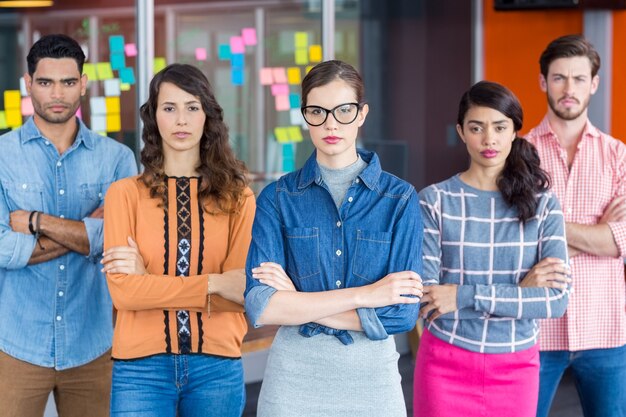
(334,260)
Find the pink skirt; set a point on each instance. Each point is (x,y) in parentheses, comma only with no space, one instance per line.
(455,382)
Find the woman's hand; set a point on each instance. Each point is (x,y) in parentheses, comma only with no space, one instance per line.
(395,288)
(123,260)
(438,299)
(549,272)
(273,274)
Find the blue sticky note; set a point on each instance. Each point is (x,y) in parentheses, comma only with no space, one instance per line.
(288,157)
(127,75)
(223,52)
(118,60)
(237,60)
(116,44)
(294,100)
(237,76)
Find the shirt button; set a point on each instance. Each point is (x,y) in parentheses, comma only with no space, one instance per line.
(338,252)
(569,210)
(350,199)
(357,180)
(61,267)
(47,143)
(338,224)
(338,283)
(58,318)
(62,216)
(100,195)
(59,163)
(61,191)
(24,186)
(60,293)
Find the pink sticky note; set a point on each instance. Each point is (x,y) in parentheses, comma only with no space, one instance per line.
(130,49)
(236,45)
(280,90)
(27,107)
(79,113)
(249,36)
(200,54)
(280,75)
(282,102)
(266,77)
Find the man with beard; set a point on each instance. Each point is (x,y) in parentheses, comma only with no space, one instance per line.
(588,170)
(55,326)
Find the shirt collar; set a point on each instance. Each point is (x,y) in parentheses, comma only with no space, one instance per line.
(545,131)
(310,172)
(29,131)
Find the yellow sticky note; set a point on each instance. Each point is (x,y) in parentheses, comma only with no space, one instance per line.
(282,135)
(301,56)
(114,122)
(12,99)
(294,133)
(315,53)
(13,117)
(301,39)
(159,64)
(90,71)
(124,86)
(105,72)
(112,105)
(308,68)
(3,120)
(293,75)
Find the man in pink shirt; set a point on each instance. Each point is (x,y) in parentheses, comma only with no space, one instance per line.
(588,170)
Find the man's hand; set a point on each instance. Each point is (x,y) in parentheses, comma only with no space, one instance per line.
(615,211)
(19,221)
(97,213)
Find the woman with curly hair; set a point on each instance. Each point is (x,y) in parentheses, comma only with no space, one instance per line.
(176,240)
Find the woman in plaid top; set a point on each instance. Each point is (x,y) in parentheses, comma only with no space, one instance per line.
(495,260)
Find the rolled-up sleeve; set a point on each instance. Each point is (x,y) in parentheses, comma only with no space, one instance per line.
(15,248)
(618,229)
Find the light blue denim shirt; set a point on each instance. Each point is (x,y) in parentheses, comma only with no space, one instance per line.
(56,313)
(376,230)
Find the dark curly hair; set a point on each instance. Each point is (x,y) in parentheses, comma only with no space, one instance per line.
(522,177)
(223,178)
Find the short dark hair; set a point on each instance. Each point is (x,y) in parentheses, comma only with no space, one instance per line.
(569,46)
(55,46)
(329,71)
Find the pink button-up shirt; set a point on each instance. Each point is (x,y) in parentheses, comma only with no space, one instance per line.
(596,315)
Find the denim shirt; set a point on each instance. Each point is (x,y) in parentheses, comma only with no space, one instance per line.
(377,230)
(56,313)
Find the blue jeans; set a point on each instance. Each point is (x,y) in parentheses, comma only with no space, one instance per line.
(178,386)
(600,378)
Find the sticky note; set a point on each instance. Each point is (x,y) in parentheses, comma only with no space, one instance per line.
(14,117)
(282,102)
(130,49)
(301,56)
(295,134)
(124,86)
(249,36)
(158,64)
(315,53)
(236,45)
(3,120)
(23,90)
(12,99)
(104,70)
(223,52)
(295,116)
(301,39)
(112,87)
(127,75)
(294,75)
(27,107)
(280,89)
(118,60)
(98,106)
(114,123)
(112,105)
(280,75)
(237,60)
(237,76)
(281,134)
(200,54)
(265,76)
(308,68)
(99,123)
(294,100)
(89,70)
(79,113)
(116,43)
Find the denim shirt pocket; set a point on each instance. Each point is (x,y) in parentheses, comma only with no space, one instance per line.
(371,255)
(302,252)
(24,195)
(94,192)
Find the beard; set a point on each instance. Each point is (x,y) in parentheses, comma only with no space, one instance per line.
(56,118)
(567,114)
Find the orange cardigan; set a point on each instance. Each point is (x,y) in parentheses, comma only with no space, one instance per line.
(165,310)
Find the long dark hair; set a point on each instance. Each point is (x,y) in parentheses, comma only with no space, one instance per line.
(223,178)
(522,177)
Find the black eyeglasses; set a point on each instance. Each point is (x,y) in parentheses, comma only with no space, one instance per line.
(344,113)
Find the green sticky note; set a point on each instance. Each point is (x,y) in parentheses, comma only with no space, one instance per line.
(294,133)
(105,72)
(302,40)
(301,56)
(3,120)
(89,70)
(159,64)
(282,135)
